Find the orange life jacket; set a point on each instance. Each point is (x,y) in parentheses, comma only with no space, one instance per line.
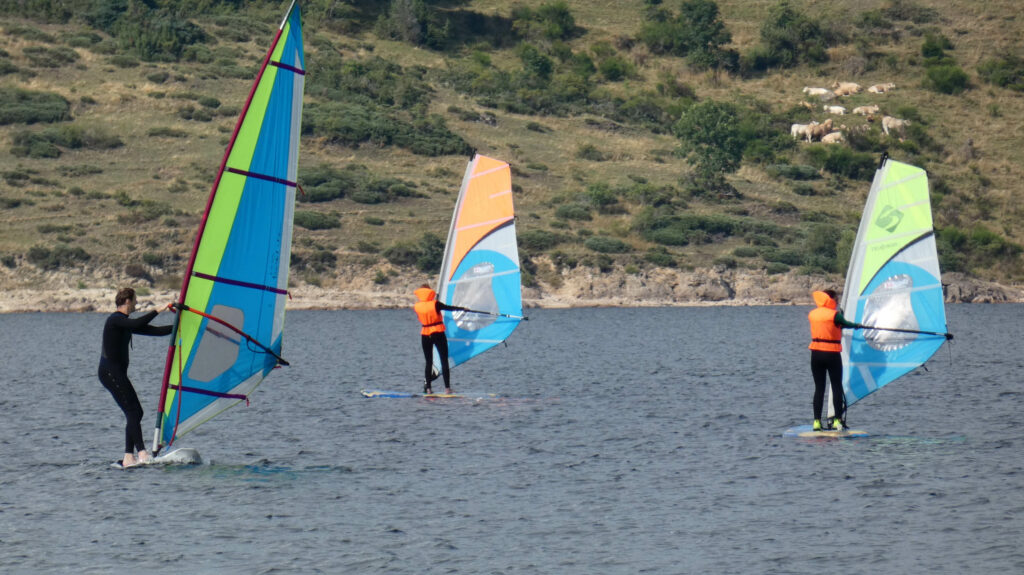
(825,334)
(426,311)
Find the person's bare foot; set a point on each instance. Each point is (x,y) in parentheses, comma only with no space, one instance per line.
(144,456)
(449,391)
(129,460)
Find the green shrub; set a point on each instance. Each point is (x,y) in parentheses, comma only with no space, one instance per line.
(788,38)
(615,69)
(373,221)
(539,240)
(143,211)
(43,57)
(316,220)
(550,21)
(352,124)
(607,245)
(746,252)
(83,39)
(27,107)
(425,255)
(209,102)
(797,172)
(590,152)
(26,144)
(1006,71)
(697,33)
(166,132)
(659,256)
(59,257)
(946,79)
(318,260)
(158,77)
(153,259)
(79,171)
(573,212)
(124,61)
(28,33)
(843,161)
(774,268)
(52,229)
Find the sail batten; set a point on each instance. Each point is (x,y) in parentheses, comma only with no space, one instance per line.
(229,328)
(480,269)
(893,283)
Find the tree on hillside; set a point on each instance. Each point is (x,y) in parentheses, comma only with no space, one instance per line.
(712,141)
(696,33)
(788,38)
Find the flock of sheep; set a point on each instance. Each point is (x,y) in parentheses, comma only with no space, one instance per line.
(823,132)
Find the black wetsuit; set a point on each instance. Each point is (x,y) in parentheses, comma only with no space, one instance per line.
(113,370)
(829,363)
(440,341)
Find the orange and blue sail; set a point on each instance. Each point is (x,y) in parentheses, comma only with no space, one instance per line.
(480,270)
(231,309)
(893,284)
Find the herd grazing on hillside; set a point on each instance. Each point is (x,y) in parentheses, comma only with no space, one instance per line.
(823,131)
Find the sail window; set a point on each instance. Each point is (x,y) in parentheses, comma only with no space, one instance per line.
(218,348)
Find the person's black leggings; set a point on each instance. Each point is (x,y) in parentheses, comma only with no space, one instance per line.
(429,342)
(114,378)
(828,363)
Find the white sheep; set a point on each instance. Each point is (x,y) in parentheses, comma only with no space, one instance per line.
(816,131)
(882,88)
(799,131)
(897,125)
(833,138)
(837,110)
(866,110)
(845,88)
(816,91)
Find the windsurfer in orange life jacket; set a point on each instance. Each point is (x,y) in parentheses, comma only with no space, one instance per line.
(827,324)
(428,310)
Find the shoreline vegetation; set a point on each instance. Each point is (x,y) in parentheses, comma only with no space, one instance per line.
(577,288)
(661,145)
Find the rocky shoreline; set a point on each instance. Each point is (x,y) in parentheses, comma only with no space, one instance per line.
(578,287)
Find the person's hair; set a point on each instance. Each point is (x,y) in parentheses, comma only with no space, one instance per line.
(123,295)
(830,292)
(425,286)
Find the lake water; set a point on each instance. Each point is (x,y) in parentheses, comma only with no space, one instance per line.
(623,441)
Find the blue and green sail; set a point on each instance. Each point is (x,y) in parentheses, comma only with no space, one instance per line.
(894,282)
(231,309)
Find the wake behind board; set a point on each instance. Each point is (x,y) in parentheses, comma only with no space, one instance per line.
(181,456)
(805,432)
(381,393)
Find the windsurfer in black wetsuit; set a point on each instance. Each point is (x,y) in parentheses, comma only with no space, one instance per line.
(113,370)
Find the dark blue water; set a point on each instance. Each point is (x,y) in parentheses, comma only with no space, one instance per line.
(624,441)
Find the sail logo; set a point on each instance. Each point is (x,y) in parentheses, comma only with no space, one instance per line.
(889,219)
(890,306)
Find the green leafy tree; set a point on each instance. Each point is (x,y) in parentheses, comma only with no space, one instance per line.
(712,140)
(788,38)
(697,32)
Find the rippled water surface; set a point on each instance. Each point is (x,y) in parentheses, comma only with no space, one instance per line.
(620,441)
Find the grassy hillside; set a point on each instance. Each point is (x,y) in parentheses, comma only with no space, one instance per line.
(115,116)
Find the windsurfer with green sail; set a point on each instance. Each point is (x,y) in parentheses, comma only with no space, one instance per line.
(827,323)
